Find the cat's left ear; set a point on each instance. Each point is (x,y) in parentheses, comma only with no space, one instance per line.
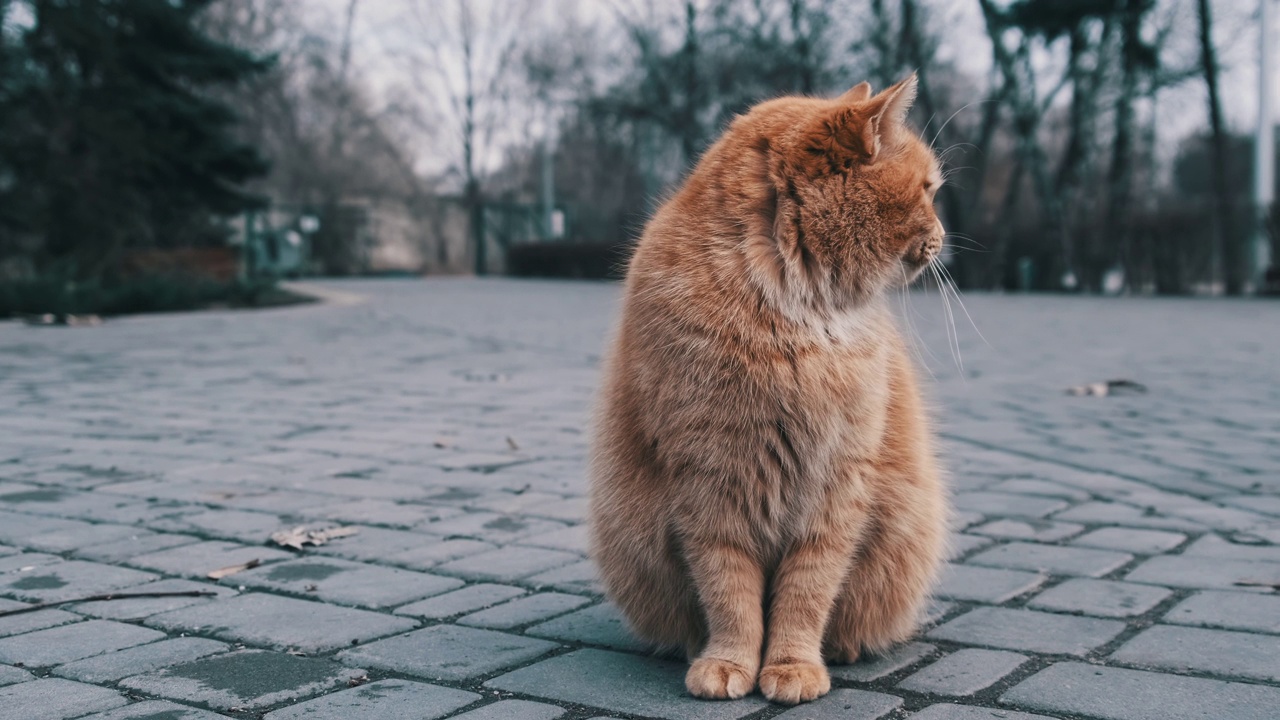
(885,113)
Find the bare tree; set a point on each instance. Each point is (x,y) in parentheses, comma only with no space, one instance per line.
(465,73)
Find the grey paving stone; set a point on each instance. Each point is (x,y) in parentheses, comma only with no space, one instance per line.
(1101,598)
(523,611)
(86,535)
(580,577)
(247,679)
(448,652)
(71,579)
(1213,546)
(996,504)
(434,551)
(1038,530)
(1028,631)
(472,597)
(1139,542)
(282,622)
(157,710)
(66,643)
(26,562)
(509,563)
(345,582)
(842,704)
(960,545)
(142,608)
(12,675)
(1051,559)
(139,544)
(55,699)
(28,621)
(1214,652)
(1204,572)
(491,527)
(513,710)
(135,660)
(1229,610)
(964,672)
(970,712)
(570,539)
(1110,513)
(200,559)
(979,584)
(601,624)
(375,544)
(621,683)
(874,667)
(1119,694)
(238,525)
(382,700)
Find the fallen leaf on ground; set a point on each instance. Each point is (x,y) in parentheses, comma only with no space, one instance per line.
(1108,387)
(511,443)
(1250,582)
(299,536)
(233,569)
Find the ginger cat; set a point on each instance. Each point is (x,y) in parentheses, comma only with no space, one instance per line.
(764,488)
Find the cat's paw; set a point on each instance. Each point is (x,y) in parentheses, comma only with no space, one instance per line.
(715,679)
(842,655)
(794,682)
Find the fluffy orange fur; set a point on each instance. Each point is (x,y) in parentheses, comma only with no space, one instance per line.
(764,489)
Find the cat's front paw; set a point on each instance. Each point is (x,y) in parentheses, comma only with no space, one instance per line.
(794,682)
(715,679)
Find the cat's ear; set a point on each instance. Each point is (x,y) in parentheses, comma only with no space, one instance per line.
(885,113)
(858,93)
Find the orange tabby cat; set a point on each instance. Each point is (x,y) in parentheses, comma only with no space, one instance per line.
(764,489)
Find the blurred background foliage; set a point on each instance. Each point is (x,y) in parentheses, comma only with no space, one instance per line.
(534,137)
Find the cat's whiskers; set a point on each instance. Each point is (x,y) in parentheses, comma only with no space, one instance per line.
(953,337)
(904,299)
(955,292)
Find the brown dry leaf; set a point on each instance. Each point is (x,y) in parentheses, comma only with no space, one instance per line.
(1251,582)
(511,443)
(233,569)
(299,536)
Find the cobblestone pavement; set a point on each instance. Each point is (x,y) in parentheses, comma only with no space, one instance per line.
(1115,557)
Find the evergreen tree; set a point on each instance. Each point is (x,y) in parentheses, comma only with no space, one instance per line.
(111,139)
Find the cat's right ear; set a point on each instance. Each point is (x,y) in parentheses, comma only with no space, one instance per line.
(861,125)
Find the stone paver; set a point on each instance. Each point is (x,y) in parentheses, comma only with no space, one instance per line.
(1118,694)
(1052,559)
(68,643)
(344,582)
(472,597)
(1215,652)
(514,710)
(842,704)
(964,672)
(383,700)
(282,622)
(143,658)
(1101,598)
(447,421)
(55,699)
(156,710)
(1029,631)
(248,679)
(524,610)
(620,683)
(1232,611)
(448,652)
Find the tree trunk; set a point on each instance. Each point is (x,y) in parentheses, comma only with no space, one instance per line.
(1228,250)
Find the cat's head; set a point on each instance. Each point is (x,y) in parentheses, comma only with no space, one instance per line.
(851,189)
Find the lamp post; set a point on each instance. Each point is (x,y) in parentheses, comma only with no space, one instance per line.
(1264,175)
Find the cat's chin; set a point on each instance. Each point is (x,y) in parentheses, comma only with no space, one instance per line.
(909,271)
